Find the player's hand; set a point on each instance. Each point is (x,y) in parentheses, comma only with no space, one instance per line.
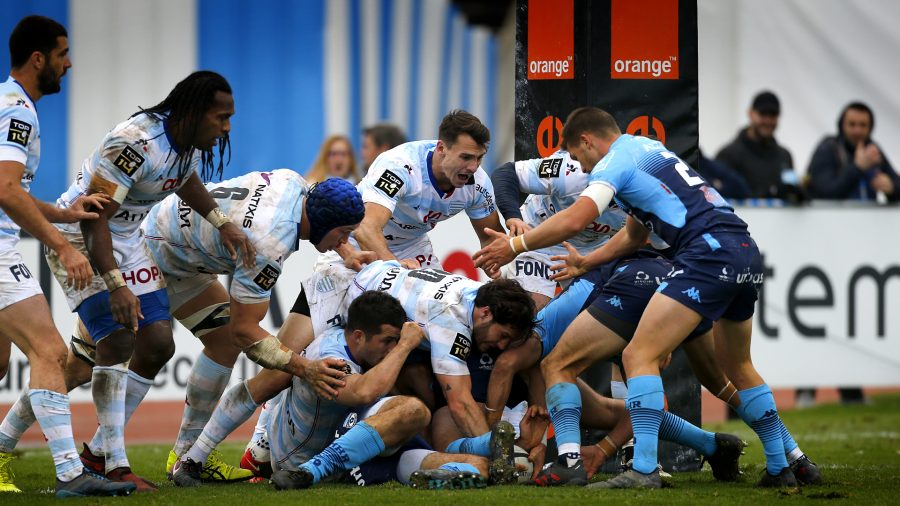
(533,426)
(235,239)
(85,207)
(409,263)
(411,335)
(496,254)
(357,259)
(593,457)
(575,264)
(517,226)
(883,183)
(536,456)
(326,376)
(78,268)
(125,308)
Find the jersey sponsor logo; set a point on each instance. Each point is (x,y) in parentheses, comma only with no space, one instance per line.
(184,214)
(267,277)
(19,132)
(125,215)
(388,281)
(141,276)
(486,362)
(129,161)
(548,136)
(446,286)
(615,301)
(20,271)
(647,126)
(254,203)
(461,347)
(389,183)
(549,167)
(532,268)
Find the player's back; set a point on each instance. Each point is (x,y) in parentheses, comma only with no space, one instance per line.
(664,193)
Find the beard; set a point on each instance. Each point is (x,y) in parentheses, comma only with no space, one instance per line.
(48,82)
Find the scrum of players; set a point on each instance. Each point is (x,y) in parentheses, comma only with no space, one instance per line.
(387,367)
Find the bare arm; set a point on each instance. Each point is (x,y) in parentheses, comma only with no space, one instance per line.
(24,209)
(364,389)
(625,242)
(491,221)
(508,364)
(370,233)
(469,418)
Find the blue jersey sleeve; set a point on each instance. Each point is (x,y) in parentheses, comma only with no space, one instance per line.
(615,170)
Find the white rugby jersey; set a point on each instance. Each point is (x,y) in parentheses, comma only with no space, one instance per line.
(267,206)
(302,423)
(136,166)
(401,180)
(440,302)
(555,183)
(20,141)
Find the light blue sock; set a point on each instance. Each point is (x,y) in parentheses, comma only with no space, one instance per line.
(136,388)
(678,430)
(17,420)
(462,467)
(108,386)
(645,403)
(360,444)
(237,407)
(205,386)
(480,445)
(758,410)
(564,404)
(55,418)
(789,444)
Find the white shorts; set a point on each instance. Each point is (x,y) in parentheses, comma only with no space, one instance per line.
(17,282)
(532,270)
(132,255)
(326,294)
(181,290)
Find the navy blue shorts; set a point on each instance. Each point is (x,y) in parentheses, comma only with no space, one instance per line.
(383,469)
(97,318)
(622,300)
(718,276)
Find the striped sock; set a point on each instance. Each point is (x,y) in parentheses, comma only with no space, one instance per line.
(237,407)
(52,412)
(108,384)
(480,445)
(204,389)
(136,388)
(17,420)
(564,405)
(360,444)
(645,403)
(676,429)
(758,410)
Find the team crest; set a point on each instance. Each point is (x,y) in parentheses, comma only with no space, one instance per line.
(389,183)
(549,167)
(267,277)
(129,160)
(19,132)
(461,347)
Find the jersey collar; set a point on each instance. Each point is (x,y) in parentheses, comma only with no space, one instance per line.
(33,104)
(431,178)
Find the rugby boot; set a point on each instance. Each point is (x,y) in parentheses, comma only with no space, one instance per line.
(557,473)
(96,463)
(125,475)
(631,479)
(216,470)
(258,468)
(444,479)
(6,474)
(724,461)
(170,463)
(90,484)
(502,464)
(784,479)
(806,471)
(186,473)
(291,480)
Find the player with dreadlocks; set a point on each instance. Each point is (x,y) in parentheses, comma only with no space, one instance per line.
(156,152)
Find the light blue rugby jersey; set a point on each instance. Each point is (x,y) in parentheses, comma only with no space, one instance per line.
(440,302)
(555,183)
(20,141)
(662,192)
(267,206)
(302,423)
(401,180)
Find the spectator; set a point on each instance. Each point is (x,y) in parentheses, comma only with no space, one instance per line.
(850,166)
(376,140)
(335,159)
(724,179)
(756,156)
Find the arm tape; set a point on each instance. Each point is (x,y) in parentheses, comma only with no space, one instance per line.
(269,353)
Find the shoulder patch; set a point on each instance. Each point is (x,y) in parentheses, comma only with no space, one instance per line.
(129,160)
(389,183)
(267,277)
(19,132)
(549,167)
(461,347)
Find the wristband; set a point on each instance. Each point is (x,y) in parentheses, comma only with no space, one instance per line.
(521,243)
(489,410)
(113,280)
(217,218)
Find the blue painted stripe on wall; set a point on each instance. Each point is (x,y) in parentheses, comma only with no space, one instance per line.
(52,177)
(465,95)
(412,122)
(447,57)
(387,12)
(491,114)
(355,133)
(273,59)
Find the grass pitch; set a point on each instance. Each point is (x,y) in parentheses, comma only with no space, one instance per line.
(857,448)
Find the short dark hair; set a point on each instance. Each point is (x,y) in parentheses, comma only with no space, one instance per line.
(860,107)
(458,122)
(385,134)
(588,120)
(509,303)
(33,33)
(371,310)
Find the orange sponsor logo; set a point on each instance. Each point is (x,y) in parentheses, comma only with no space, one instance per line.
(549,136)
(551,39)
(648,126)
(644,41)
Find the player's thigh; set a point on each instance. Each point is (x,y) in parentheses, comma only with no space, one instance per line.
(443,429)
(434,460)
(78,370)
(585,342)
(663,326)
(701,353)
(189,295)
(29,325)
